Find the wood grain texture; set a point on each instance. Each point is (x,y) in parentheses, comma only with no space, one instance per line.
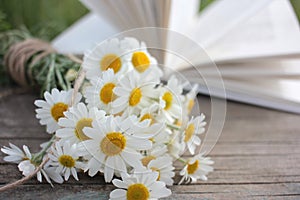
(256,157)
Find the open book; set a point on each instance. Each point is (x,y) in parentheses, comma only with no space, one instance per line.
(255,43)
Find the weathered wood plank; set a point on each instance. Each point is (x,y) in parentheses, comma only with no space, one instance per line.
(227,171)
(232,191)
(256,157)
(235,151)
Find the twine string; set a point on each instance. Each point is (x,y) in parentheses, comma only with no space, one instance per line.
(18,57)
(25,178)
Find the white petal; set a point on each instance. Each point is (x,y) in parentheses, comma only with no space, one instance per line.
(65,132)
(67,174)
(53,175)
(48,98)
(119,164)
(74,173)
(11,152)
(120,184)
(13,159)
(162,192)
(133,159)
(196,140)
(139,144)
(39,176)
(120,91)
(157,185)
(94,167)
(64,122)
(27,152)
(118,194)
(108,170)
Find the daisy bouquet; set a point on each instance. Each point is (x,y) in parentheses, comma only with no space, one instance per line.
(124,123)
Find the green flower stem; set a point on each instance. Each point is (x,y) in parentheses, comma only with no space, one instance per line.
(154,99)
(38,158)
(173,126)
(60,78)
(183,160)
(50,73)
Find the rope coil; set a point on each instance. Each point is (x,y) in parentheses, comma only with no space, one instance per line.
(19,55)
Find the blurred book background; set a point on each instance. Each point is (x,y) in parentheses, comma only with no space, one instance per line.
(36,14)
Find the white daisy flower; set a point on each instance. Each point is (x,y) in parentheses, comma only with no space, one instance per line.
(163,165)
(112,148)
(64,159)
(76,118)
(194,128)
(107,55)
(134,93)
(53,108)
(100,94)
(15,154)
(140,59)
(139,186)
(170,100)
(28,166)
(196,168)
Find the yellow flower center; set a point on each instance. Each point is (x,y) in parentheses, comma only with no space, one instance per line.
(191,105)
(67,161)
(111,61)
(147,159)
(192,168)
(137,191)
(168,98)
(113,143)
(135,97)
(148,116)
(140,61)
(84,122)
(189,131)
(106,94)
(156,170)
(58,109)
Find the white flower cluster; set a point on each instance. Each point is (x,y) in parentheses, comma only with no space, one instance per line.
(131,126)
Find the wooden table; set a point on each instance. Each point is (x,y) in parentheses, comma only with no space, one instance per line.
(256,157)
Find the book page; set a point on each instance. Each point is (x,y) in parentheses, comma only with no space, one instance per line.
(277,93)
(256,68)
(182,17)
(84,35)
(212,24)
(269,84)
(106,11)
(221,17)
(272,32)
